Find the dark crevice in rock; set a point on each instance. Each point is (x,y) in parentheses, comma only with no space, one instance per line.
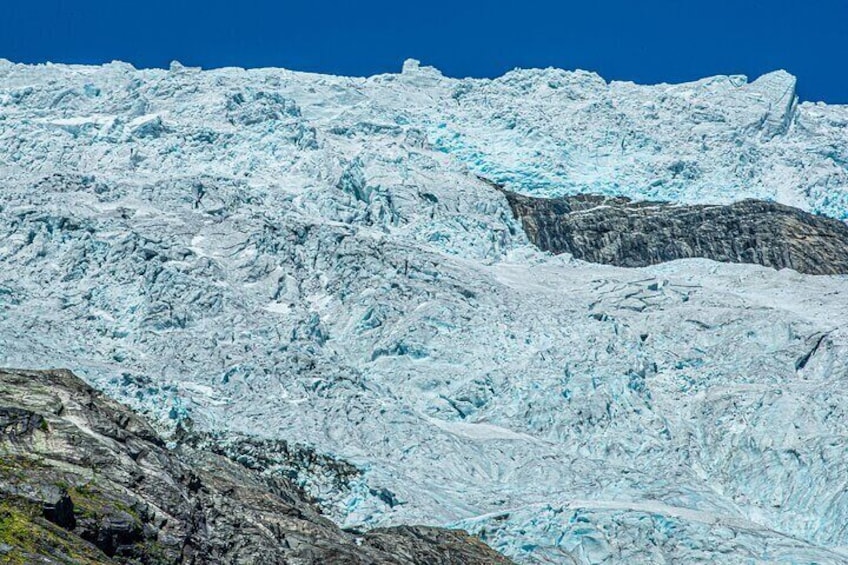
(58,508)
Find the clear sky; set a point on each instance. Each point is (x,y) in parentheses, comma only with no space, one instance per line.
(645,41)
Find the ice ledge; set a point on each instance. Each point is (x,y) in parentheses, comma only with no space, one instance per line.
(778,89)
(411,66)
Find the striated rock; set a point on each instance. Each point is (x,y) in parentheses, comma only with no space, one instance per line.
(94,483)
(618,231)
(434,546)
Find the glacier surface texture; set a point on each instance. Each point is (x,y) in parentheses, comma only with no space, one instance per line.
(313,258)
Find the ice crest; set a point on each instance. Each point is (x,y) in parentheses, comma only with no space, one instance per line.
(411,66)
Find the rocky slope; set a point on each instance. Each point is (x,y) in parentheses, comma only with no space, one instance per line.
(618,231)
(84,480)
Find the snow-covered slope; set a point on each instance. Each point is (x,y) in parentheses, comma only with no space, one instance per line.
(312,258)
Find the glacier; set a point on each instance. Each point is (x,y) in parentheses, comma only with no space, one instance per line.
(314,258)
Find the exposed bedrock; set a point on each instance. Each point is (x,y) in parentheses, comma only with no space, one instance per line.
(618,231)
(83,480)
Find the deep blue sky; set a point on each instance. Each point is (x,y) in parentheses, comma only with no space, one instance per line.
(645,41)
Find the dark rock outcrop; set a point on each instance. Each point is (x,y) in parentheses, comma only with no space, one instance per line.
(83,480)
(618,231)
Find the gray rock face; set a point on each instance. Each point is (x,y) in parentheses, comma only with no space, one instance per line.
(84,480)
(617,231)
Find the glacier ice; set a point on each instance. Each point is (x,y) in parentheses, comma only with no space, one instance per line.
(313,258)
